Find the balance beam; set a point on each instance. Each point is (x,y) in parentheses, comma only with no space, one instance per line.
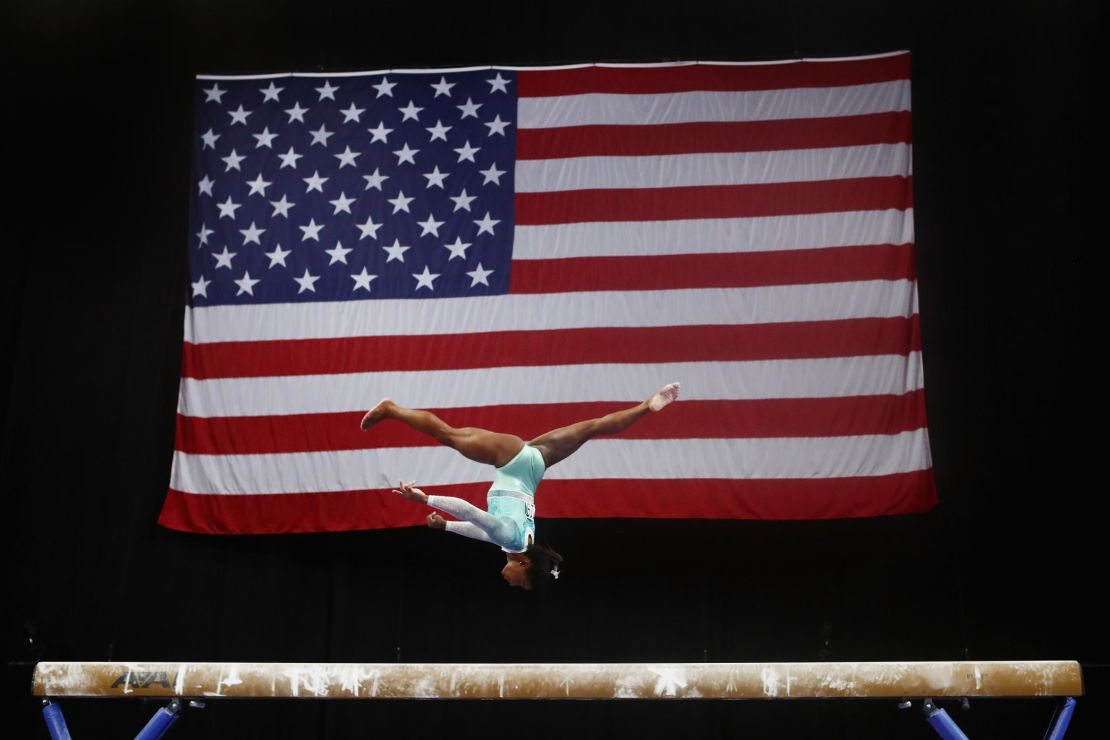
(559,680)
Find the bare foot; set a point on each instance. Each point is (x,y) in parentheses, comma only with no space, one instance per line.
(666,395)
(376,414)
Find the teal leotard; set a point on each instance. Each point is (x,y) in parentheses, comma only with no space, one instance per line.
(511,519)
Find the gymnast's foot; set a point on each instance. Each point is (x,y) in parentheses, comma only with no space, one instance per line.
(376,414)
(666,395)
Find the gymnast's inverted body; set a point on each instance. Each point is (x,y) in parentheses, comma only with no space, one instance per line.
(518,468)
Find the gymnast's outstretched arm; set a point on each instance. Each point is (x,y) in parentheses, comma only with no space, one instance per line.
(475,523)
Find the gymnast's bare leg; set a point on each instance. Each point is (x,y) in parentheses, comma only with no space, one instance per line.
(559,444)
(494,448)
(479,445)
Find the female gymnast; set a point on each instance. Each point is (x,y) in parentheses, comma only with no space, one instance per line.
(518,468)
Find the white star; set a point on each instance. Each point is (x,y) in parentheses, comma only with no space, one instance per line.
(259,186)
(239,115)
(289,159)
(315,182)
(227,208)
(200,287)
(439,131)
(347,157)
(205,186)
(252,234)
(555,572)
(224,258)
(209,140)
(352,113)
(492,175)
(435,177)
(479,276)
(306,282)
(311,231)
(381,133)
(485,226)
(271,92)
(264,138)
(424,279)
(327,91)
(498,83)
(342,203)
(467,151)
(246,284)
(497,126)
(469,109)
(362,280)
(396,251)
(339,254)
(401,203)
(278,256)
(204,233)
(296,113)
(214,93)
(443,87)
(281,207)
(405,154)
(458,249)
(462,201)
(431,226)
(368,229)
(320,135)
(375,180)
(232,161)
(385,87)
(410,111)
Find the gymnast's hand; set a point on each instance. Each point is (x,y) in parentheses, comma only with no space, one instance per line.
(435,521)
(412,494)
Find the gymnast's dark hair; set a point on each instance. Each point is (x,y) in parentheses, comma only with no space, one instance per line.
(544,560)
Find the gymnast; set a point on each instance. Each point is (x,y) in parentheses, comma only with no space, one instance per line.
(518,468)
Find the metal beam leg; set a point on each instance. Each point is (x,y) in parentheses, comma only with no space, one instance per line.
(1062,720)
(55,722)
(944,725)
(161,721)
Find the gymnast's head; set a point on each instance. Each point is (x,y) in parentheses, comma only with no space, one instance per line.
(533,569)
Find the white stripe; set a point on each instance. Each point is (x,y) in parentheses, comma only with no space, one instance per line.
(741,64)
(364,73)
(731,168)
(552,67)
(715,236)
(312,394)
(800,457)
(402,317)
(592,109)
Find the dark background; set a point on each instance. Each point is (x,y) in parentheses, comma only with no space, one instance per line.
(97,118)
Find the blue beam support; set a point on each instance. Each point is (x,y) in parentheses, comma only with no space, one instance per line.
(941,722)
(55,722)
(1063,718)
(161,721)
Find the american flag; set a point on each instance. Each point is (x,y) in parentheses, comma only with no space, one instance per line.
(522,249)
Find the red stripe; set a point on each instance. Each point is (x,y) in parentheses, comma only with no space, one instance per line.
(656,499)
(807,417)
(724,342)
(713,201)
(690,138)
(728,270)
(646,80)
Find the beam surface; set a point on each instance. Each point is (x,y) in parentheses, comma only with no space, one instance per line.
(559,680)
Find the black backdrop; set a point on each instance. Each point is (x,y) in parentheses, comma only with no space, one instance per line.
(97,126)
